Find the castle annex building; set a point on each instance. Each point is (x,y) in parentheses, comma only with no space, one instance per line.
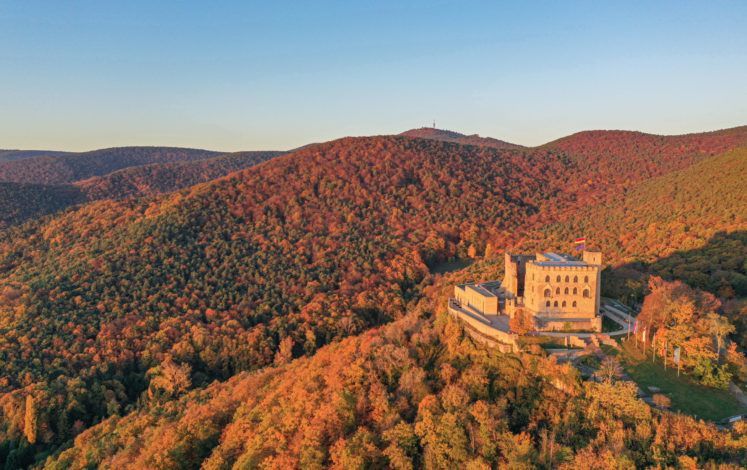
(558,292)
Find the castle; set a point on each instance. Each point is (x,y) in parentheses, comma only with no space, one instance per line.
(557,292)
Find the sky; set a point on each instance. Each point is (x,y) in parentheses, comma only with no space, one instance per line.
(249,75)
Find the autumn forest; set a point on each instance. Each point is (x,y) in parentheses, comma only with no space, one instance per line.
(182,308)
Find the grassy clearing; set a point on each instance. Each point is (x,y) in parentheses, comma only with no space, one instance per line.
(687,396)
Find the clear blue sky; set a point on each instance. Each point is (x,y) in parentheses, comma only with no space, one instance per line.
(274,75)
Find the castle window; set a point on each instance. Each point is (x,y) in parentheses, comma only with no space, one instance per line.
(547,304)
(555,304)
(586,293)
(574,303)
(586,279)
(575,278)
(564,304)
(557,279)
(567,279)
(547,278)
(557,291)
(548,293)
(566,291)
(575,291)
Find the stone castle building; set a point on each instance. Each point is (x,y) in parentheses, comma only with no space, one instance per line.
(558,292)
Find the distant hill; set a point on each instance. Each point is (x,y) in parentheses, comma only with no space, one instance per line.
(71,167)
(10,155)
(28,200)
(160,178)
(451,136)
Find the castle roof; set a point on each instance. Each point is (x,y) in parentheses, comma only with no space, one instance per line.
(555,259)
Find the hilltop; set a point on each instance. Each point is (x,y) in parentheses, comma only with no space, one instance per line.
(451,136)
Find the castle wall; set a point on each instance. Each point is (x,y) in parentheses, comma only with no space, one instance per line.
(478,298)
(556,285)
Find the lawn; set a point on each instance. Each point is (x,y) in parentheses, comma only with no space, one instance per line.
(687,396)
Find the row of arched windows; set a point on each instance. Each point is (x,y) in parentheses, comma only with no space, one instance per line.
(566,291)
(568,279)
(564,304)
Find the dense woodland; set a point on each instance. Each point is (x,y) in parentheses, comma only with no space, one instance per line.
(120,309)
(415,393)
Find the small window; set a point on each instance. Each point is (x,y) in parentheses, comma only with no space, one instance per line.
(557,279)
(566,291)
(567,279)
(575,291)
(548,293)
(586,279)
(556,303)
(574,303)
(557,290)
(547,304)
(575,278)
(586,293)
(547,278)
(564,304)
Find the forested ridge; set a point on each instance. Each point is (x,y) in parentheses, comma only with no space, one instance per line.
(122,306)
(69,167)
(32,200)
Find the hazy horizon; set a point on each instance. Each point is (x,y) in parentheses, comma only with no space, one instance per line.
(252,76)
(467,133)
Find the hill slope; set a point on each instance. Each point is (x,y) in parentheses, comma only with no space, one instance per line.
(413,394)
(22,201)
(158,178)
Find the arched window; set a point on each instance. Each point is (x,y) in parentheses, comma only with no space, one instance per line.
(575,278)
(575,291)
(548,293)
(567,279)
(586,279)
(586,293)
(574,303)
(557,279)
(547,278)
(566,291)
(564,304)
(557,290)
(555,304)
(547,304)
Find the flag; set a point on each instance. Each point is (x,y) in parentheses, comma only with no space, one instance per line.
(677,356)
(580,243)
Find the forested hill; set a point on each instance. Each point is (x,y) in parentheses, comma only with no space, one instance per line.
(119,303)
(456,137)
(26,200)
(416,393)
(613,153)
(70,167)
(10,155)
(166,177)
